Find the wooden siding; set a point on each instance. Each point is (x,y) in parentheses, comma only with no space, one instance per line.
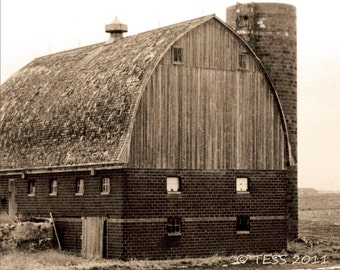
(92,237)
(12,204)
(206,113)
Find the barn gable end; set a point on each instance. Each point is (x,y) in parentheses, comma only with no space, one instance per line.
(208,112)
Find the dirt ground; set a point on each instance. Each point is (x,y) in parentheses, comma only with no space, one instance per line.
(318,247)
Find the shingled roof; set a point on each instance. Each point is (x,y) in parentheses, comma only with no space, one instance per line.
(78,106)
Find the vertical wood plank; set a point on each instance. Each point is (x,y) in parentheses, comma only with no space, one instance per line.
(205,113)
(92,237)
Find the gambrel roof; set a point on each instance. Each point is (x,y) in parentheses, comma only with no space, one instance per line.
(77,107)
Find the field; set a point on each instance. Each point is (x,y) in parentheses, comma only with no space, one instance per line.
(319,217)
(318,247)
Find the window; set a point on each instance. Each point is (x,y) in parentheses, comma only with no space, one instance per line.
(177,55)
(79,186)
(105,185)
(31,188)
(243,224)
(174,226)
(53,187)
(243,61)
(173,185)
(243,21)
(242,185)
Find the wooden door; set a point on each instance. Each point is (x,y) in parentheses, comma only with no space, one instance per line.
(12,202)
(93,237)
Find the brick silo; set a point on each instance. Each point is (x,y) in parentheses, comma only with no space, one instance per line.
(270,30)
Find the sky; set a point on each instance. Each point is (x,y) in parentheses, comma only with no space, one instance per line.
(34,28)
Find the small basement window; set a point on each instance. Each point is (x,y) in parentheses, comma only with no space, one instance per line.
(174,226)
(177,55)
(173,185)
(80,187)
(31,188)
(53,187)
(243,224)
(105,186)
(243,61)
(242,185)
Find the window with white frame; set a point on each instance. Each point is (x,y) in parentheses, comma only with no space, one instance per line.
(105,185)
(173,185)
(31,188)
(243,224)
(242,185)
(174,226)
(79,186)
(53,187)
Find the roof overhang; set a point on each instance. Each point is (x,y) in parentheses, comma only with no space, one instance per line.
(91,168)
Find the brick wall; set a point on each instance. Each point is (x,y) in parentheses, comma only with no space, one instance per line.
(204,193)
(139,205)
(115,244)
(203,238)
(68,208)
(208,205)
(292,203)
(69,233)
(66,203)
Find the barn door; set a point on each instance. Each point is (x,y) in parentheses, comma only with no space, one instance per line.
(93,232)
(12,202)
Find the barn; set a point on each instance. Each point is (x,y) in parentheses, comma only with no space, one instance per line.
(175,142)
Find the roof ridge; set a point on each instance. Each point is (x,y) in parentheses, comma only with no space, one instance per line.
(66,92)
(207,17)
(178,23)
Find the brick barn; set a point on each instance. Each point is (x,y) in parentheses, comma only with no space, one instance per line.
(176,142)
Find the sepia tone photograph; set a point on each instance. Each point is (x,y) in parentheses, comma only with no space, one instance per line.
(169,135)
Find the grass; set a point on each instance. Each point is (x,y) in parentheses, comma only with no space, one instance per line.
(319,217)
(319,225)
(54,260)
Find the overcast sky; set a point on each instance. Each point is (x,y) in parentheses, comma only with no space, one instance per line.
(33,28)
